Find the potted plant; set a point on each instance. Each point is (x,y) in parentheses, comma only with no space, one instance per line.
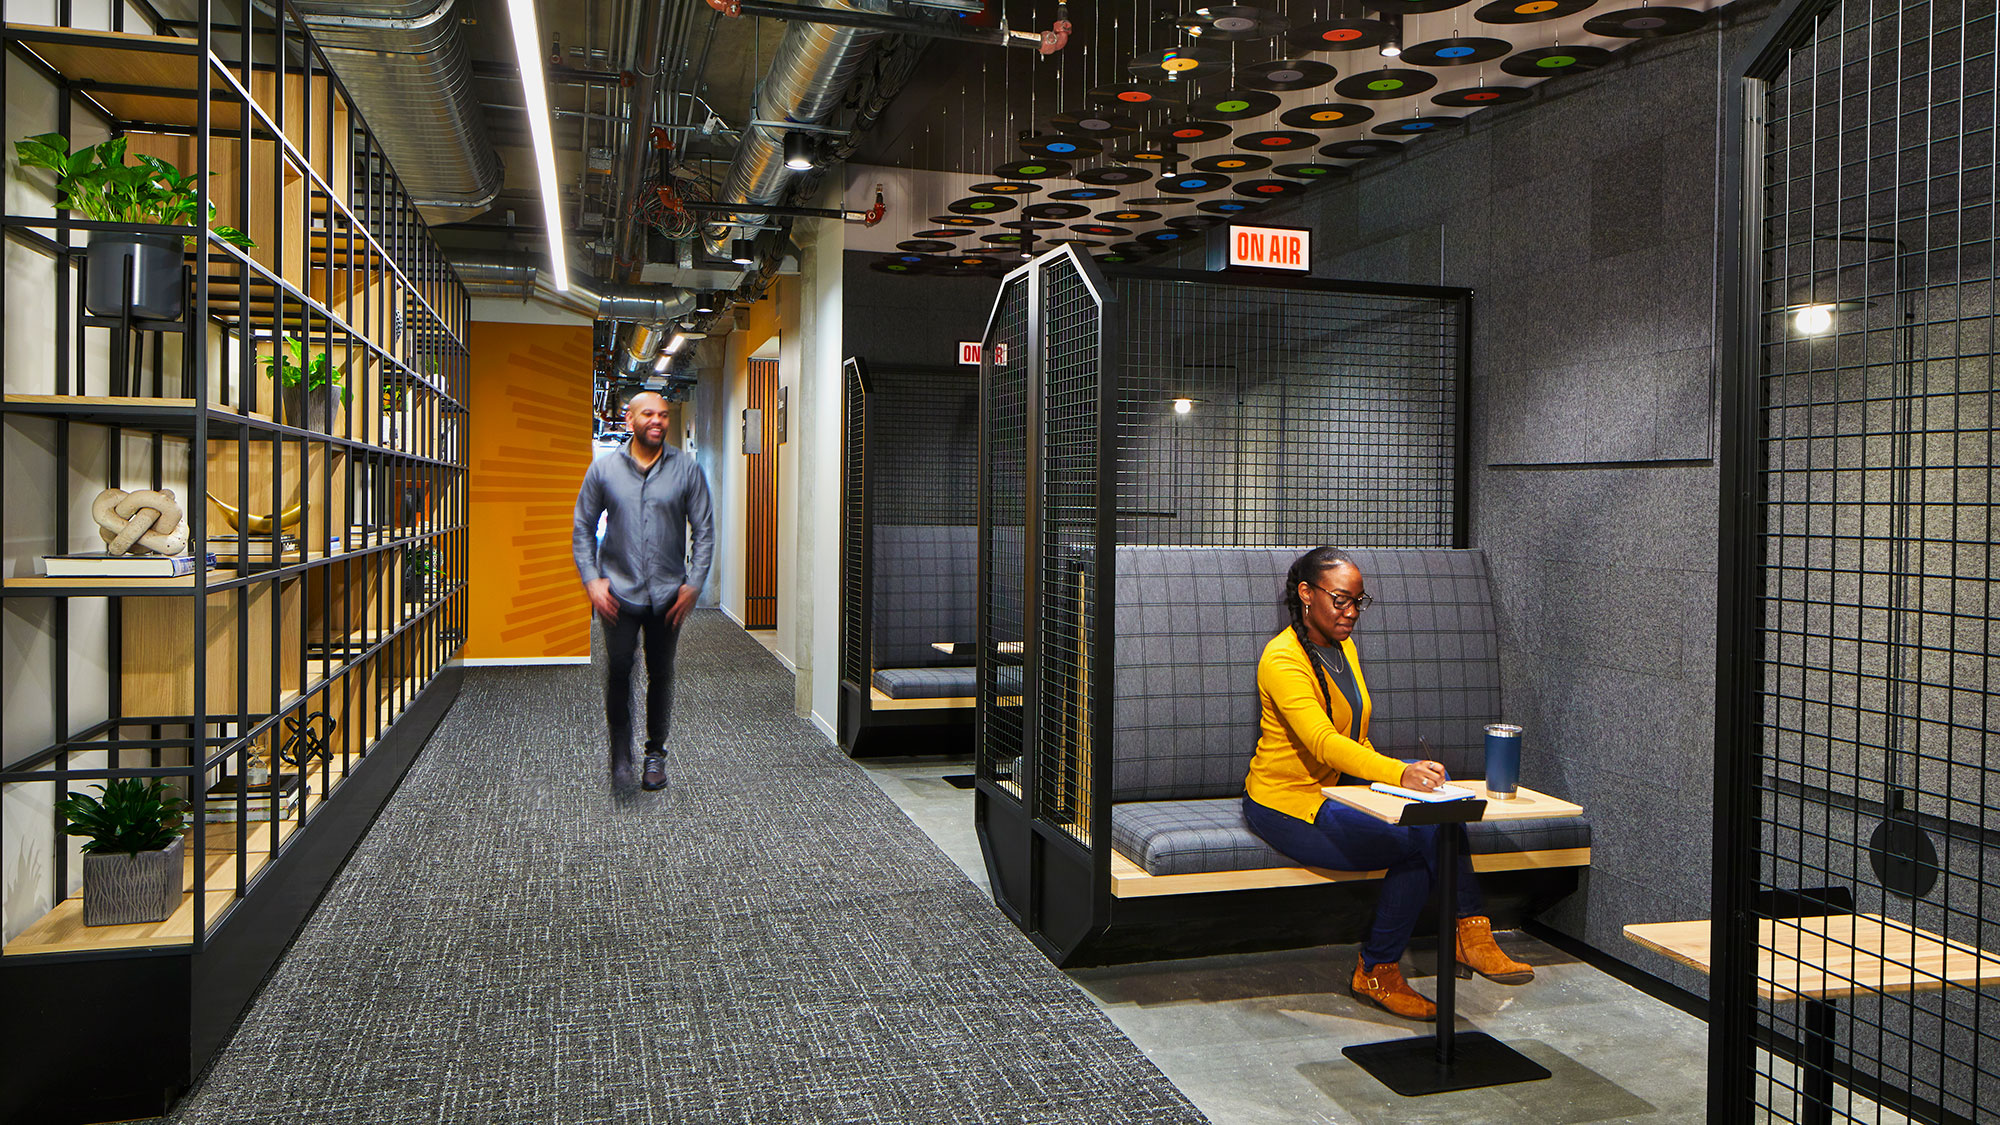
(305,387)
(132,850)
(99,182)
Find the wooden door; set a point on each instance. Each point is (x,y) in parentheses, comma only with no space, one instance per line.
(760,598)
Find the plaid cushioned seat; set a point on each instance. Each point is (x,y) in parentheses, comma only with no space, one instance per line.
(1195,837)
(940,683)
(923,593)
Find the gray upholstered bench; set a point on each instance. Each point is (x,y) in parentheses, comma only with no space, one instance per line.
(1191,624)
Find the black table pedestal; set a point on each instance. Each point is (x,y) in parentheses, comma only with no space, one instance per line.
(1433,1064)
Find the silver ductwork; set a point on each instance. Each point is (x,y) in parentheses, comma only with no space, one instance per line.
(648,310)
(812,68)
(406,65)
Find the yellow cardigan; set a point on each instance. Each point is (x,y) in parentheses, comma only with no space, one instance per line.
(1299,749)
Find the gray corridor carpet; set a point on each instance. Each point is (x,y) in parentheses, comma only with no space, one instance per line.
(769,940)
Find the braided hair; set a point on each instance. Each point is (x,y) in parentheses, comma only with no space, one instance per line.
(1307,568)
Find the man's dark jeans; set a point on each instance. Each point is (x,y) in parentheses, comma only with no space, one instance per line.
(621,638)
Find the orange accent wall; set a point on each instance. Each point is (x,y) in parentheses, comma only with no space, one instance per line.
(529,448)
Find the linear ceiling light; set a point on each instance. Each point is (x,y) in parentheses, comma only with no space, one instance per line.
(535,91)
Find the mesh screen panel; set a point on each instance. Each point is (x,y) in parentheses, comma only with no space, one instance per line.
(1874,730)
(854,662)
(1003,468)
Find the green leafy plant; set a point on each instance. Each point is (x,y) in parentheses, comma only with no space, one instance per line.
(99,181)
(289,365)
(134,815)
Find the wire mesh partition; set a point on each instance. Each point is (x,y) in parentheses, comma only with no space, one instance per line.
(1165,409)
(1858,898)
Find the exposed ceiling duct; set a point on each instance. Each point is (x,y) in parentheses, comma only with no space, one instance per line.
(524,279)
(405,64)
(812,68)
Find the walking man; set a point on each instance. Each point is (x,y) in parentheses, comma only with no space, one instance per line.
(640,579)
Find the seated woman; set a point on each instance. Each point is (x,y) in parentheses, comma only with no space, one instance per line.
(1315,728)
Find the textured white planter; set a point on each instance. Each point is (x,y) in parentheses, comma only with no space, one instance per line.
(120,889)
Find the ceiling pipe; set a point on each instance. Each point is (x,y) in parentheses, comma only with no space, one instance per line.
(525,279)
(646,65)
(812,68)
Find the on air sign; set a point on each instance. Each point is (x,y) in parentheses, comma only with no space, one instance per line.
(1261,248)
(969,353)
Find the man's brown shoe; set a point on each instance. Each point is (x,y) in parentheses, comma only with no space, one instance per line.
(656,773)
(1479,953)
(1384,986)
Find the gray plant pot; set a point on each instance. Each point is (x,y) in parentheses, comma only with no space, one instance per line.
(120,889)
(157,293)
(308,410)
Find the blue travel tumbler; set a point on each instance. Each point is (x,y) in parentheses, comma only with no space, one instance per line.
(1503,760)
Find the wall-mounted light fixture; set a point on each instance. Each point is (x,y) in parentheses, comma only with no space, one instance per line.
(1816,318)
(799,151)
(1183,406)
(535,95)
(743,251)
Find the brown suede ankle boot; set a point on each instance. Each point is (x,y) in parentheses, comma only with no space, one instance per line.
(1384,985)
(1479,953)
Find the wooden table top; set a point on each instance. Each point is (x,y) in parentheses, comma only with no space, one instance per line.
(1526,805)
(1828,957)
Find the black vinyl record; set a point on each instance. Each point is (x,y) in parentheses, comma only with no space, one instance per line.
(1229,206)
(1033,169)
(1195,222)
(1388,82)
(1340,35)
(1139,95)
(960,221)
(1352,150)
(926,246)
(1084,193)
(1234,105)
(1128,215)
(1170,238)
(1100,230)
(1135,249)
(1086,243)
(1416,126)
(1269,189)
(1095,123)
(1005,187)
(1542,62)
(1114,258)
(1646,23)
(976,261)
(1060,146)
(1410,7)
(1475,97)
(1309,172)
(1034,224)
(1188,131)
(1114,174)
(1007,238)
(1155,201)
(1287,74)
(1276,140)
(1529,11)
(946,232)
(1161,153)
(1055,211)
(1181,62)
(897,264)
(981,205)
(1231,163)
(1195,184)
(1457,51)
(1325,115)
(1217,23)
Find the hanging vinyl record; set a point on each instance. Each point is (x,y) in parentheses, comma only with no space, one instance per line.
(1007,238)
(981,205)
(1230,164)
(961,221)
(1138,95)
(896,265)
(1646,23)
(1168,238)
(1217,23)
(1135,249)
(1128,216)
(1326,115)
(1233,105)
(1100,230)
(1005,187)
(1034,224)
(1545,61)
(1277,140)
(1055,211)
(1094,123)
(1286,74)
(1309,171)
(1228,206)
(1411,7)
(1033,169)
(1529,11)
(1156,201)
(1416,126)
(1084,194)
(1340,35)
(1352,150)
(1086,243)
(1161,153)
(1195,222)
(1269,189)
(1181,62)
(926,246)
(1060,146)
(1114,259)
(944,233)
(1474,97)
(1388,82)
(1457,51)
(1113,174)
(1194,184)
(1187,131)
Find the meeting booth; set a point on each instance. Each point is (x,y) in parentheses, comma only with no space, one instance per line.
(1156,448)
(907,558)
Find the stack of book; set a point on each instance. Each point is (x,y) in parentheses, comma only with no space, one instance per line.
(221,805)
(256,549)
(99,564)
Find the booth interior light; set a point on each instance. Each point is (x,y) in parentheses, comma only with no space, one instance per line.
(1813,320)
(1183,406)
(535,91)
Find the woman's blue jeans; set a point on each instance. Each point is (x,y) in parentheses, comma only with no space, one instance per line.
(1346,839)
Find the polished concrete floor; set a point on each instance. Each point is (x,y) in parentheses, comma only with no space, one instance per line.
(1257,1038)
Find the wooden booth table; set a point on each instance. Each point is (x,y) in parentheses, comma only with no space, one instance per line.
(1818,959)
(1446,1060)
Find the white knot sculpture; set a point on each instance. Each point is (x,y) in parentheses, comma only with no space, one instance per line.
(128,518)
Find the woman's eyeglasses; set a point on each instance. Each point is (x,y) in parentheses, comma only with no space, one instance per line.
(1340,600)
